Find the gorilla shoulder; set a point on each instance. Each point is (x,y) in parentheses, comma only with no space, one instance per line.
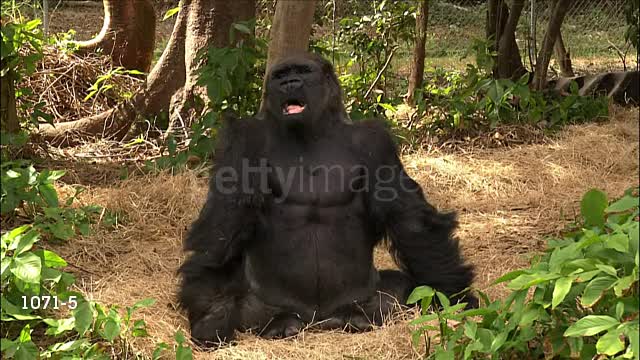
(373,137)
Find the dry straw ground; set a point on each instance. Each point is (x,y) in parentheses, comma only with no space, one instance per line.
(508,200)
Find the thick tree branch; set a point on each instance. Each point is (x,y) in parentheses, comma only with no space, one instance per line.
(553,29)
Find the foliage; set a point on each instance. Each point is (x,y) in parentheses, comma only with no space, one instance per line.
(34,284)
(42,315)
(473,99)
(104,84)
(27,192)
(20,51)
(369,41)
(632,14)
(584,304)
(15,37)
(232,77)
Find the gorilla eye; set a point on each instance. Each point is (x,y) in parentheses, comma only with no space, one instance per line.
(281,73)
(303,69)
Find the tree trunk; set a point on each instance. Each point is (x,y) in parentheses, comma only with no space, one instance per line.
(493,24)
(417,65)
(168,74)
(552,33)
(208,23)
(8,115)
(291,29)
(171,84)
(508,61)
(563,57)
(128,34)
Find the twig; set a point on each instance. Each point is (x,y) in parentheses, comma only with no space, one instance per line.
(384,67)
(623,56)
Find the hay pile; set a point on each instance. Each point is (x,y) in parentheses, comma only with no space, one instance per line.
(62,80)
(508,199)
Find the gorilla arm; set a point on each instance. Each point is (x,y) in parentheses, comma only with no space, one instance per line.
(226,223)
(422,241)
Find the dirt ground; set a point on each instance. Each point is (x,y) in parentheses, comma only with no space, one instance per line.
(508,200)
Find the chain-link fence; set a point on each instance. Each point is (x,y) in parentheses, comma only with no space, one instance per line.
(593,32)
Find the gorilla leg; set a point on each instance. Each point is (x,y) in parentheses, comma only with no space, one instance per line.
(268,321)
(392,290)
(210,297)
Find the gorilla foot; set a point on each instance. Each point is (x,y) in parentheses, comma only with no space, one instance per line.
(282,326)
(211,332)
(353,322)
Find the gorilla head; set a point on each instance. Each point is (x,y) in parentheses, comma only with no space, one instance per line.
(303,92)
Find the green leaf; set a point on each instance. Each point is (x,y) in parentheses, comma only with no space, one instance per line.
(419,293)
(592,207)
(594,290)
(499,340)
(634,339)
(111,330)
(183,353)
(52,259)
(560,290)
(160,347)
(619,242)
(530,315)
(473,346)
(49,193)
(610,343)
(171,12)
(58,326)
(26,351)
(423,319)
(510,276)
(179,337)
(560,256)
(26,241)
(444,300)
(27,267)
(608,269)
(623,204)
(623,284)
(8,347)
(84,317)
(11,236)
(528,280)
(591,325)
(470,329)
(442,354)
(619,310)
(143,303)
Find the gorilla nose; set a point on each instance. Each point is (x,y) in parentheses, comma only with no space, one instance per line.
(291,84)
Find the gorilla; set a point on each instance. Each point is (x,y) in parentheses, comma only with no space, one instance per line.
(298,199)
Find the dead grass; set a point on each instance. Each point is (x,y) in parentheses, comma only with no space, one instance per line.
(508,200)
(62,81)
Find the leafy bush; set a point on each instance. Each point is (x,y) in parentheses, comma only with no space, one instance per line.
(584,299)
(232,77)
(42,316)
(475,100)
(364,42)
(632,15)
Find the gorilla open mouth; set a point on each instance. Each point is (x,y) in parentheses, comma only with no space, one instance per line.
(293,107)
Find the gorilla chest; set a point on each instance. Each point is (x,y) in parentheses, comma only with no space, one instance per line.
(324,177)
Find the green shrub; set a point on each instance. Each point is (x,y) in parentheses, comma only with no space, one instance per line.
(584,301)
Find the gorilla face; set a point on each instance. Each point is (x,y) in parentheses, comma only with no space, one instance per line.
(303,91)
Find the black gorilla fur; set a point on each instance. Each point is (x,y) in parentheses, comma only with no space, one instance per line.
(297,202)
